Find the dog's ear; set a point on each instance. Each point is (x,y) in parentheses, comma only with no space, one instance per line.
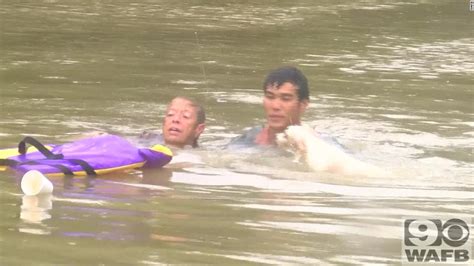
(282,140)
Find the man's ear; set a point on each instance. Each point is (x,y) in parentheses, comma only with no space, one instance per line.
(303,105)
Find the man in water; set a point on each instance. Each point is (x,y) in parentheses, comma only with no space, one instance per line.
(286,96)
(183,123)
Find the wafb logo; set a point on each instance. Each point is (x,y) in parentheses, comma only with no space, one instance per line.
(436,241)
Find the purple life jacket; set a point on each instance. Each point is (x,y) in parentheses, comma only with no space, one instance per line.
(90,156)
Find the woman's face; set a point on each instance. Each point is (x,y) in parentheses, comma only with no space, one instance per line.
(180,126)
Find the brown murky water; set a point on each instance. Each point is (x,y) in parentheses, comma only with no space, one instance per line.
(391,80)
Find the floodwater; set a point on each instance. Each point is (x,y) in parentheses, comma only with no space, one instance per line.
(391,80)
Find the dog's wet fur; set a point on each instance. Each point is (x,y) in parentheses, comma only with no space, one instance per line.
(322,156)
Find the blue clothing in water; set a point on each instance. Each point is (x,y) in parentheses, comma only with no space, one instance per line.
(247,139)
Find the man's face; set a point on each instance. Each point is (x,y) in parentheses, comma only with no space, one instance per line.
(180,127)
(282,106)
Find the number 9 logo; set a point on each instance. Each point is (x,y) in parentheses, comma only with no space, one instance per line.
(422,232)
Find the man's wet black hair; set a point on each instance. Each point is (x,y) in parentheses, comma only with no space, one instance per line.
(288,74)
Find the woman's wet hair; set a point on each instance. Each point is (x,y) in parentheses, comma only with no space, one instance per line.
(289,74)
(200,113)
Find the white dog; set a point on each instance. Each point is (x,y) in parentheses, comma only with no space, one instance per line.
(322,156)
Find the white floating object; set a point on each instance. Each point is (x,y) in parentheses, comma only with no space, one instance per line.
(34,183)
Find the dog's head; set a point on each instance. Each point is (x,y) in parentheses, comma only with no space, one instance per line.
(294,138)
